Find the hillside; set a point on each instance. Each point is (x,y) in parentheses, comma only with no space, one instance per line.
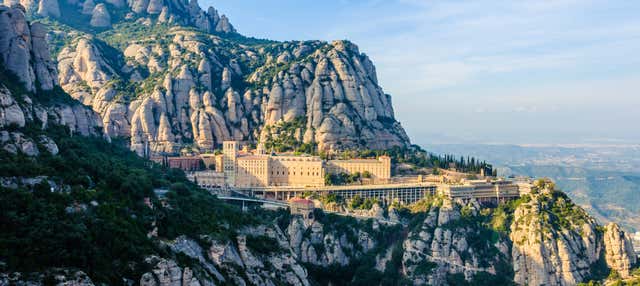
(78,207)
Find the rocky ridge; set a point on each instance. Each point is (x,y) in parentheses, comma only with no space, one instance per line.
(440,248)
(173,86)
(178,12)
(55,276)
(619,251)
(205,100)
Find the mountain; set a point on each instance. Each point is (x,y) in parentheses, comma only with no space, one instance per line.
(167,74)
(78,207)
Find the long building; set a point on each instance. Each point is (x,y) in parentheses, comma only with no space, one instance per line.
(296,171)
(245,170)
(208,179)
(485,191)
(379,169)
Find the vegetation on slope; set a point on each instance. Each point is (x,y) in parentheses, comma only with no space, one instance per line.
(283,137)
(98,221)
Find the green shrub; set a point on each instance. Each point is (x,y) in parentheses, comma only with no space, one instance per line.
(262,244)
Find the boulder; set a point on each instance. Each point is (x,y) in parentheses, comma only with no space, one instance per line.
(49,8)
(100,17)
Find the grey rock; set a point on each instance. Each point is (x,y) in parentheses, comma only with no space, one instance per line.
(10,111)
(87,7)
(117,3)
(49,8)
(155,6)
(619,252)
(48,144)
(100,16)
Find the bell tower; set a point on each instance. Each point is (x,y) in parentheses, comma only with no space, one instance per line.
(229,161)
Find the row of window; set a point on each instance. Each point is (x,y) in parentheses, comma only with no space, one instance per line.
(282,173)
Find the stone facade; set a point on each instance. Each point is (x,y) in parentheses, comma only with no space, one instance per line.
(243,169)
(230,156)
(213,161)
(297,171)
(207,178)
(185,163)
(379,169)
(302,207)
(253,171)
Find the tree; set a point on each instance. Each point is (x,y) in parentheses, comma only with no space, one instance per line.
(356,202)
(328,179)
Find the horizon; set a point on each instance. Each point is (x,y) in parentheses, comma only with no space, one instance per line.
(559,72)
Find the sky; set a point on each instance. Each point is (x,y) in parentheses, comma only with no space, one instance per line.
(514,72)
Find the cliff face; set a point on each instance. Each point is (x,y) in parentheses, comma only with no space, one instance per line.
(24,50)
(619,251)
(28,92)
(156,80)
(557,243)
(548,254)
(443,247)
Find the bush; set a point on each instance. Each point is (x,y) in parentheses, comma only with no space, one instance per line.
(263,244)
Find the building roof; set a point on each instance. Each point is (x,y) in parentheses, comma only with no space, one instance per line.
(253,157)
(184,158)
(300,201)
(357,161)
(305,158)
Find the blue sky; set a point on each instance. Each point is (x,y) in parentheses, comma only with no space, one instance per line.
(563,71)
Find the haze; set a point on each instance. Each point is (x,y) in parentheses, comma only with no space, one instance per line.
(482,71)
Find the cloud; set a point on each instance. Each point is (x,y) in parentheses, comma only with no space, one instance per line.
(454,44)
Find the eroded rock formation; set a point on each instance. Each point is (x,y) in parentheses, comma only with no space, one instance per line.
(334,92)
(25,56)
(619,252)
(24,51)
(100,16)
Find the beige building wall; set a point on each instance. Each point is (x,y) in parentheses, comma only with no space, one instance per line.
(213,160)
(380,168)
(253,171)
(297,171)
(207,179)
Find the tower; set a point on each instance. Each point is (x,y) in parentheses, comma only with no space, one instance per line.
(386,167)
(229,161)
